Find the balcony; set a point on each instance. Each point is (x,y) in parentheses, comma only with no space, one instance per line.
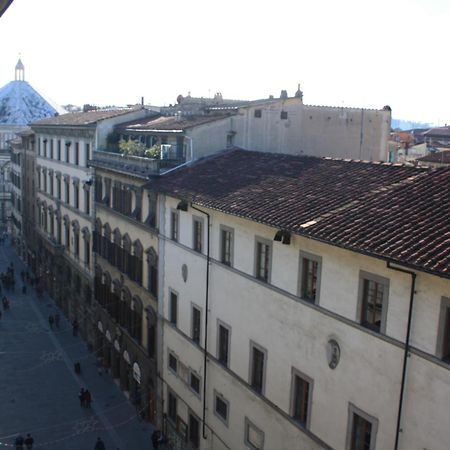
(137,166)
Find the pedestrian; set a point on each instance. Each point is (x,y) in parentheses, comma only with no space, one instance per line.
(88,398)
(57,320)
(75,327)
(155,439)
(19,442)
(81,396)
(99,445)
(51,321)
(29,441)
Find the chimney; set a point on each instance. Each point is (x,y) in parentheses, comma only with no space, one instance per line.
(283,94)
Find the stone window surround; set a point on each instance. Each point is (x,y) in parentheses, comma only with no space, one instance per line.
(194,305)
(230,230)
(254,345)
(201,221)
(445,304)
(363,275)
(228,327)
(248,424)
(297,373)
(318,260)
(352,409)
(261,240)
(222,398)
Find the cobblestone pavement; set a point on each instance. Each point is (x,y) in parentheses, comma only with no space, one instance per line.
(39,388)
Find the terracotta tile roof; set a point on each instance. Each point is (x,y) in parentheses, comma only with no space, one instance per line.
(437,157)
(168,123)
(385,210)
(84,118)
(438,132)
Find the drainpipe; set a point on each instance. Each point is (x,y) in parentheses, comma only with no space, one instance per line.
(405,356)
(205,350)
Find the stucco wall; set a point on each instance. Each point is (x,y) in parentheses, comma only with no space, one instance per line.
(295,335)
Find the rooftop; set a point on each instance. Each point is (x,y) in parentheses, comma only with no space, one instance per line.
(170,123)
(84,118)
(442,157)
(385,210)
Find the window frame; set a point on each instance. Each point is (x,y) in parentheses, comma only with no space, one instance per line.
(443,331)
(218,395)
(225,229)
(255,346)
(171,393)
(170,354)
(198,238)
(174,231)
(228,328)
(249,424)
(367,276)
(352,410)
(295,373)
(194,306)
(171,293)
(192,415)
(193,373)
(257,265)
(301,271)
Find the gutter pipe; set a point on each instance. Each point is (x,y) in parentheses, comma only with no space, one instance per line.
(205,349)
(405,356)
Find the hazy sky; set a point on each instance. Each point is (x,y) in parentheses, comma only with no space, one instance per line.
(356,53)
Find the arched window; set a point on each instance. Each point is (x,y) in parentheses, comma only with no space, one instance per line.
(106,241)
(97,236)
(136,319)
(98,285)
(76,238)
(87,246)
(117,257)
(152,274)
(115,301)
(125,309)
(138,261)
(151,331)
(67,232)
(126,255)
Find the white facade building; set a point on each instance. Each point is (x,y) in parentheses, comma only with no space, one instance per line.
(306,320)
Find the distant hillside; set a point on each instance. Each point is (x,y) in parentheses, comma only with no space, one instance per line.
(408,124)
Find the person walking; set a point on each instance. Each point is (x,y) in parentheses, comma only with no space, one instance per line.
(99,445)
(29,441)
(51,321)
(19,442)
(75,327)
(57,320)
(87,398)
(82,398)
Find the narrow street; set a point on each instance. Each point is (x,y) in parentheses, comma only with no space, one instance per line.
(39,387)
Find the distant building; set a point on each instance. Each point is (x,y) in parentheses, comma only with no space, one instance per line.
(21,104)
(436,159)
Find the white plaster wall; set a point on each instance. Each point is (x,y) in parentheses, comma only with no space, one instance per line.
(295,335)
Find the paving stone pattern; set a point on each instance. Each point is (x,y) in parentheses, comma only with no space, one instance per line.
(39,388)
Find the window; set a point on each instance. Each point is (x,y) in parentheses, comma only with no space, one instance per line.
(87,152)
(221,407)
(152,205)
(257,367)
(301,398)
(226,245)
(152,264)
(58,187)
(230,139)
(173,308)
(194,382)
(373,298)
(196,324)
(443,337)
(194,431)
(258,113)
(77,154)
(223,343)
(76,195)
(174,225)
(197,228)
(361,430)
(51,183)
(283,115)
(310,270)
(262,259)
(87,201)
(67,187)
(173,363)
(172,407)
(254,437)
(76,243)
(51,148)
(58,150)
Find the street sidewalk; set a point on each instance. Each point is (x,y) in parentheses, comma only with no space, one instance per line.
(41,395)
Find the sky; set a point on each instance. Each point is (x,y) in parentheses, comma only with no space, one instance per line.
(354,53)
